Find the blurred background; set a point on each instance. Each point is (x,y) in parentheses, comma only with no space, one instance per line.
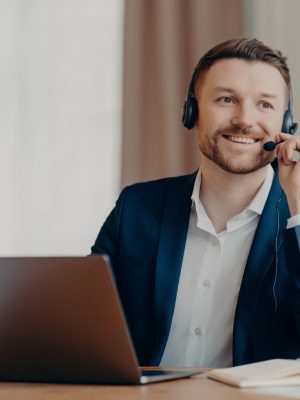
(91,93)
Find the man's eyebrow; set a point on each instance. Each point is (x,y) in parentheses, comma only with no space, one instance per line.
(224,89)
(269,95)
(231,90)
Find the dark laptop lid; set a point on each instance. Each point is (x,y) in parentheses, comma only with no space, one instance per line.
(61,321)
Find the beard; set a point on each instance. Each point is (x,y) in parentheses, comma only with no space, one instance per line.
(239,164)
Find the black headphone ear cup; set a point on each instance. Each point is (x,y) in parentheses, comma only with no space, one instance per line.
(288,124)
(189,112)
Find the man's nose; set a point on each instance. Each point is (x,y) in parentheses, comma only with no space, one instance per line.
(244,117)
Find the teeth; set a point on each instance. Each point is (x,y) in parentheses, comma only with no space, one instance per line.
(241,139)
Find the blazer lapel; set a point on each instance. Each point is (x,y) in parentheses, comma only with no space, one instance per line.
(261,255)
(169,261)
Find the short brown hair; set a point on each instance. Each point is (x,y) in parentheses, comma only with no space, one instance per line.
(247,49)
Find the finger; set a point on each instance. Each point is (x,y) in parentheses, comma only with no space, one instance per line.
(289,150)
(295,139)
(287,153)
(283,136)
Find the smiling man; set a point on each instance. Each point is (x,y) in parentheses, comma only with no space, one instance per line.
(241,104)
(244,112)
(208,265)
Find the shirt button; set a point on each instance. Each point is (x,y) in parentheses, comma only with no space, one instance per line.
(197,331)
(215,242)
(206,283)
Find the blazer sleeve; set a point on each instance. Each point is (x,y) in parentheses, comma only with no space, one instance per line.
(107,241)
(292,256)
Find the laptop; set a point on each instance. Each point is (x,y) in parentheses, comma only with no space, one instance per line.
(61,320)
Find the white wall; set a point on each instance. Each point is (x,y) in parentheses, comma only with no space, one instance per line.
(60,110)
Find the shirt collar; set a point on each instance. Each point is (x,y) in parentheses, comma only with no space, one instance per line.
(258,202)
(256,205)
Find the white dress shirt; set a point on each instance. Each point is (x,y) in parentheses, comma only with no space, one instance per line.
(212,270)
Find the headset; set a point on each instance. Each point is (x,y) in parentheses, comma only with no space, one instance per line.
(288,124)
(190,111)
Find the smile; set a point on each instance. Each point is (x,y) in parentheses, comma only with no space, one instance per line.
(241,139)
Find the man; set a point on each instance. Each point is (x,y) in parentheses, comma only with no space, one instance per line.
(208,264)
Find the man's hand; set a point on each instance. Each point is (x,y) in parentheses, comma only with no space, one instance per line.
(289,170)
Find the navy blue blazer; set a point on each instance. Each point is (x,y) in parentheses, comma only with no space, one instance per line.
(145,237)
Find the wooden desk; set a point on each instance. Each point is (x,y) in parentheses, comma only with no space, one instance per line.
(194,388)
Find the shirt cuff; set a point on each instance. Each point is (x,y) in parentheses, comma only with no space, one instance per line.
(293,221)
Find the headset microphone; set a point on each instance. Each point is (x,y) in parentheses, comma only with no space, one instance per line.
(270,146)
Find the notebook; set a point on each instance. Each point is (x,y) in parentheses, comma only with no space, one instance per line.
(61,321)
(275,372)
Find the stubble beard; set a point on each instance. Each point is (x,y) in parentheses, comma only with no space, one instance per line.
(213,152)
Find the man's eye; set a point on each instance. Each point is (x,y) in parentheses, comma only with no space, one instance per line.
(227,99)
(266,104)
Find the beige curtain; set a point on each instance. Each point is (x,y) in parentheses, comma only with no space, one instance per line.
(163,41)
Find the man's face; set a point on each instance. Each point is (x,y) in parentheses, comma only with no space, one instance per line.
(241,106)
